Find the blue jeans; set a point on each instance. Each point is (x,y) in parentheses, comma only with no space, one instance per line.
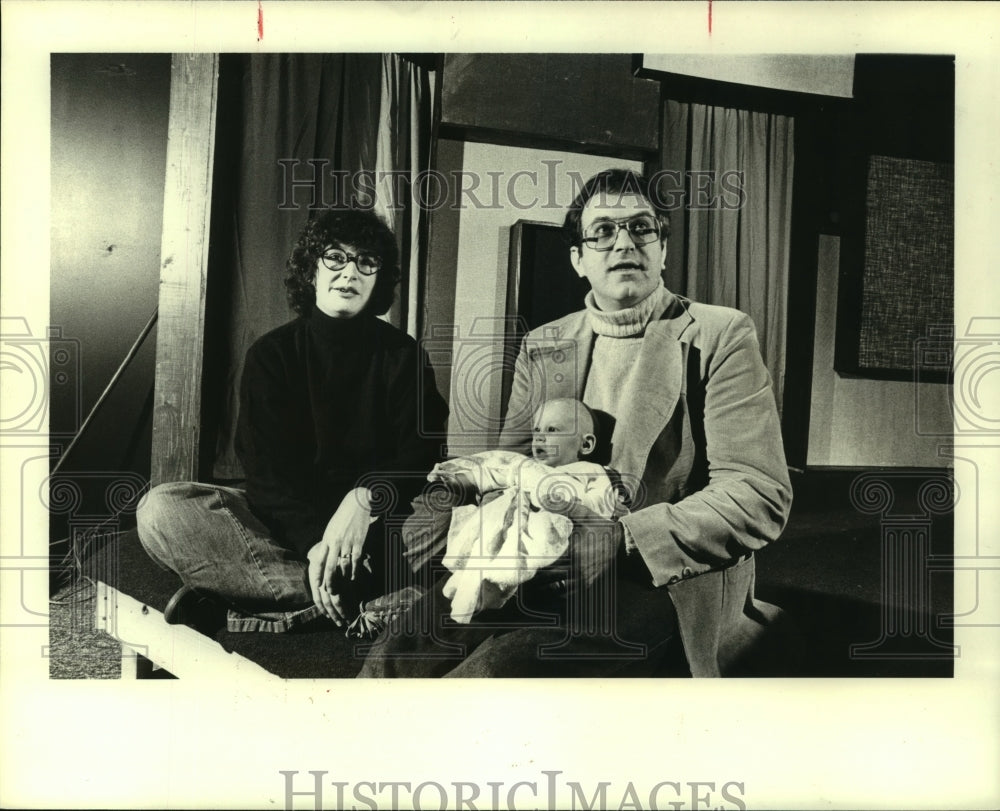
(618,626)
(208,536)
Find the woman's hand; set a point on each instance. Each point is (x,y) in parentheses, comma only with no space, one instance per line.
(330,604)
(336,560)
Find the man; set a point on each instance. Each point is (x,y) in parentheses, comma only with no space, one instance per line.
(336,426)
(696,440)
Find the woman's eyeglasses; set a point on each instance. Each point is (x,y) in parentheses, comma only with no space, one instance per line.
(336,259)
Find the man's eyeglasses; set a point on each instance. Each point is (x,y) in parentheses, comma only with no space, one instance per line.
(603,234)
(336,259)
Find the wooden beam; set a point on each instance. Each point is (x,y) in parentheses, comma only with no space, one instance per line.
(187,203)
(181,651)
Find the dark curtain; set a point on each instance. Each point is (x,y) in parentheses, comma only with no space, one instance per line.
(277,112)
(730,241)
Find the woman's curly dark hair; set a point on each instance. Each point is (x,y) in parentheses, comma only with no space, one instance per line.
(362,230)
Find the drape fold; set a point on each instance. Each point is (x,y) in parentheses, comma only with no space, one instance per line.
(730,234)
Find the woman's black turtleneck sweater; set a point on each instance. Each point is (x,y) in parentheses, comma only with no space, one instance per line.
(327,404)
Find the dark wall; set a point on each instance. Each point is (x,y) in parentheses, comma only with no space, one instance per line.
(108,150)
(903,107)
(583,102)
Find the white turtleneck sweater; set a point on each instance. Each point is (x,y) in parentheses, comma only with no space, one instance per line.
(619,337)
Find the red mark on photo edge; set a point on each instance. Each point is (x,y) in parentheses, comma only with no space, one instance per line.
(709,17)
(260,22)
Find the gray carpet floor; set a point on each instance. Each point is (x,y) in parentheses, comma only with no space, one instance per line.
(77,650)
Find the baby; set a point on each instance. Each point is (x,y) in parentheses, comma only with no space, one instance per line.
(496,545)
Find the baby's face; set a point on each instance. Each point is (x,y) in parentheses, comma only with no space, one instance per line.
(559,434)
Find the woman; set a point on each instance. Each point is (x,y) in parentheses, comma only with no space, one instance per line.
(338,411)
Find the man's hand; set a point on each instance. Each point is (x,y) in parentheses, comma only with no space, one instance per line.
(460,480)
(337,558)
(459,484)
(592,548)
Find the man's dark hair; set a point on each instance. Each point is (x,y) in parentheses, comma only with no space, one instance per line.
(614,184)
(362,230)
